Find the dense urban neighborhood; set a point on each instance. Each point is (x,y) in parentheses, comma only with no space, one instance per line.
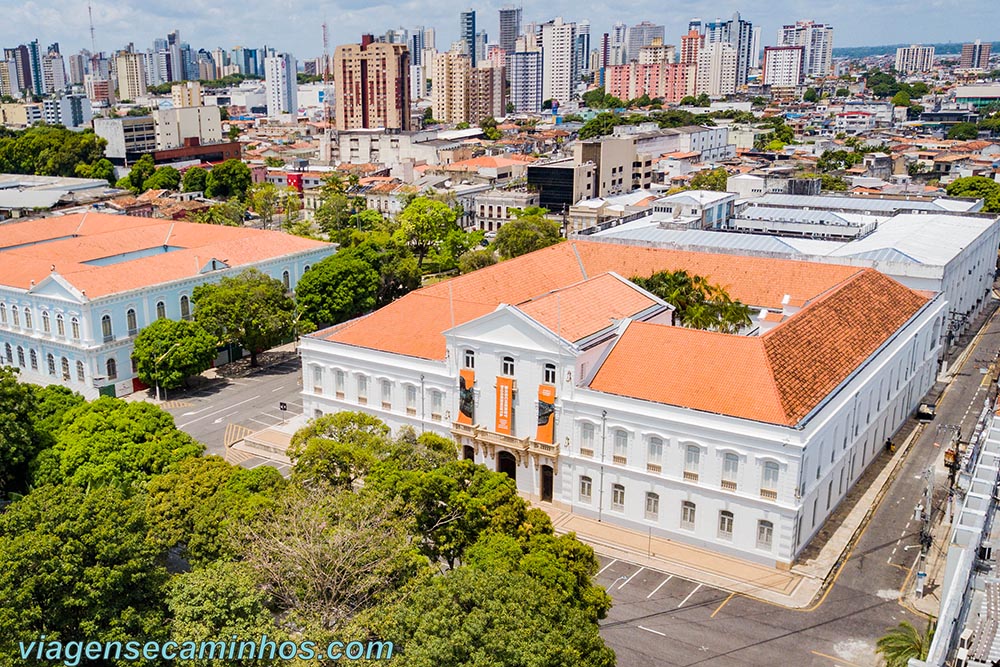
(559,344)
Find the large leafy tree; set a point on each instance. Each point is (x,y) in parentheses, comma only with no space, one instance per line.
(698,303)
(710,179)
(194,180)
(904,642)
(529,231)
(100,169)
(978,187)
(49,150)
(251,310)
(168,352)
(18,438)
(164,178)
(229,179)
(263,199)
(338,449)
(77,564)
(963,131)
(135,180)
(113,442)
(424,224)
(473,616)
(231,213)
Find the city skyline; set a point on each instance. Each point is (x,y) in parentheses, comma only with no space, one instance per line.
(116,24)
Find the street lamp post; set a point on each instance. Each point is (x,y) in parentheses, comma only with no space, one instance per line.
(156,368)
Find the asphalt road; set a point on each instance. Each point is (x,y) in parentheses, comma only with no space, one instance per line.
(684,624)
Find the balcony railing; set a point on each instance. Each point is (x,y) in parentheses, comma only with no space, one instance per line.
(654,467)
(728,485)
(509,441)
(620,460)
(109,338)
(769,494)
(690,476)
(386,405)
(587,452)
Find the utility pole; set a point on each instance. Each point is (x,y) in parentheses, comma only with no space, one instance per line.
(925,510)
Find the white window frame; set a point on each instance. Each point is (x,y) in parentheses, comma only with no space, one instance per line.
(618,497)
(652,506)
(765,534)
(654,450)
(726,522)
(689,514)
(586,489)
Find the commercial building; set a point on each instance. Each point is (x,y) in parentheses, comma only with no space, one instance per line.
(128,137)
(560,72)
(372,81)
(556,370)
(131,76)
(75,290)
(978,97)
(784,66)
(525,71)
(912,59)
(562,183)
(975,56)
(640,35)
(510,28)
(176,127)
(467,34)
(100,92)
(739,34)
(187,94)
(72,111)
(282,85)
(817,39)
(717,64)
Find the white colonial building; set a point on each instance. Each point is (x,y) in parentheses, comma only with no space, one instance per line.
(556,370)
(75,290)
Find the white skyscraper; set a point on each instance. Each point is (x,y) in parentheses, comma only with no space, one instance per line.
(525,72)
(641,35)
(914,58)
(558,42)
(281,84)
(717,64)
(817,38)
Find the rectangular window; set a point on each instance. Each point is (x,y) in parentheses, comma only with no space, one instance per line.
(618,497)
(587,439)
(437,404)
(655,450)
(338,383)
(386,394)
(692,460)
(687,515)
(362,389)
(507,366)
(652,506)
(549,375)
(586,488)
(411,399)
(765,534)
(621,446)
(726,525)
(317,379)
(469,359)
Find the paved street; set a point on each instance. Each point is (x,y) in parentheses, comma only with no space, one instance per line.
(659,620)
(238,404)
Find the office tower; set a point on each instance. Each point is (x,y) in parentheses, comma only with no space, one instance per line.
(581,52)
(690,46)
(467,32)
(450,86)
(486,92)
(481,41)
(131,76)
(817,39)
(914,58)
(616,49)
(696,25)
(20,80)
(975,56)
(641,35)
(525,72)
(783,66)
(558,64)
(717,64)
(755,49)
(416,46)
(35,63)
(737,33)
(373,85)
(187,94)
(76,69)
(53,72)
(281,85)
(101,92)
(510,28)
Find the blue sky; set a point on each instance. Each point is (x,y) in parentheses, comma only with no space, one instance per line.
(294,25)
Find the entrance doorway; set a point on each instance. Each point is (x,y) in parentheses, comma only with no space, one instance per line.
(507,464)
(468,453)
(547,483)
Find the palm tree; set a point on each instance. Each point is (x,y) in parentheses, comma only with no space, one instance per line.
(903,642)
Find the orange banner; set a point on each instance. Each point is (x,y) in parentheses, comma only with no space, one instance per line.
(466,396)
(505,407)
(546,413)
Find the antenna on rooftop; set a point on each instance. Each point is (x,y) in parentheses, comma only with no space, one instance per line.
(93,40)
(326,72)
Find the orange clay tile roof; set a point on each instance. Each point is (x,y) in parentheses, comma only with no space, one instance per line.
(580,310)
(781,376)
(756,281)
(29,250)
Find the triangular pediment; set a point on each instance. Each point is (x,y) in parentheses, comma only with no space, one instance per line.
(56,286)
(508,327)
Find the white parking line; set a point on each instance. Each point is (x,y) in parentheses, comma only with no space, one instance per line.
(689,596)
(655,632)
(261,423)
(228,407)
(631,578)
(660,586)
(601,571)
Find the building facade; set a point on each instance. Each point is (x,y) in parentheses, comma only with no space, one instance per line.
(817,39)
(281,83)
(975,55)
(783,66)
(914,58)
(553,369)
(510,28)
(526,80)
(717,64)
(559,71)
(372,81)
(131,76)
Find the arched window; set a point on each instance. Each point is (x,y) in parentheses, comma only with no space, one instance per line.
(185,307)
(765,534)
(730,470)
(687,514)
(507,366)
(130,320)
(549,374)
(3,313)
(8,353)
(305,268)
(586,489)
(726,525)
(618,497)
(64,365)
(106,330)
(60,325)
(51,363)
(33,358)
(652,506)
(621,443)
(286,279)
(80,375)
(15,316)
(469,358)
(112,366)
(46,322)
(769,476)
(692,462)
(655,449)
(161,310)
(75,327)
(27,318)
(20,356)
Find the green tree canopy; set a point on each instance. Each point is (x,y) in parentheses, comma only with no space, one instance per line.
(476,259)
(963,131)
(113,442)
(77,564)
(164,178)
(49,150)
(904,642)
(168,352)
(811,95)
(19,441)
(527,233)
(195,180)
(901,99)
(424,224)
(978,187)
(231,213)
(229,179)
(264,199)
(711,179)
(699,304)
(141,169)
(250,310)
(100,169)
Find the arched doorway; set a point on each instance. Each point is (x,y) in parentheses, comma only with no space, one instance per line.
(547,483)
(507,464)
(468,453)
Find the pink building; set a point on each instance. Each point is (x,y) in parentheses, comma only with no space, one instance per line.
(670,82)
